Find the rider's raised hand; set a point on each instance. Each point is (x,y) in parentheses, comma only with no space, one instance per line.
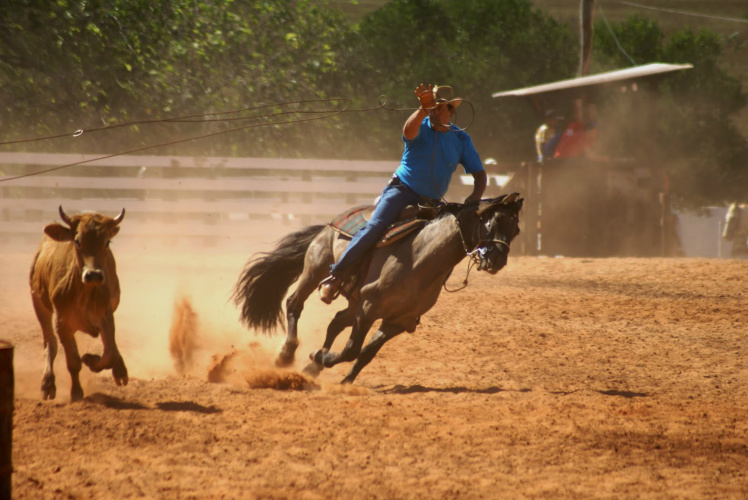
(425,96)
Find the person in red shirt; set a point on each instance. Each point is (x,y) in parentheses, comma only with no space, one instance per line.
(580,136)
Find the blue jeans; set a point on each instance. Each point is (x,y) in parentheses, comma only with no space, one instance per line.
(394,198)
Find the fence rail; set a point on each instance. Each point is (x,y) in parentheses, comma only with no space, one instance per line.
(214,200)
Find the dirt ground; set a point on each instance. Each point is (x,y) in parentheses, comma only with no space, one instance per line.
(557,378)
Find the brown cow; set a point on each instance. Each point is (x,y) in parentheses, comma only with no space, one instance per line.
(74,278)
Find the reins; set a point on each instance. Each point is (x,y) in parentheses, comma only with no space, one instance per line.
(472,254)
(217,117)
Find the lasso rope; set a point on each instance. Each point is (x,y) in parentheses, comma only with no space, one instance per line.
(201,118)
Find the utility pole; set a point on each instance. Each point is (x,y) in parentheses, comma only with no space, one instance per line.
(586,14)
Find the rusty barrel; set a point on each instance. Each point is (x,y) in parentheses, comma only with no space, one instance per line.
(6,417)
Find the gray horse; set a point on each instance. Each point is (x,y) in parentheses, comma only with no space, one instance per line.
(397,284)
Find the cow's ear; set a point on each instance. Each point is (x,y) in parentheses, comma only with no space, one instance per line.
(58,232)
(113,230)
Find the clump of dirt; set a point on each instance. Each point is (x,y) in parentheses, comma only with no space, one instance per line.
(280,380)
(183,335)
(220,367)
(245,366)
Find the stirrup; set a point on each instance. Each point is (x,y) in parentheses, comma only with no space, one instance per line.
(330,283)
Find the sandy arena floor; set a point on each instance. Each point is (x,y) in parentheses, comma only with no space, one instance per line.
(555,379)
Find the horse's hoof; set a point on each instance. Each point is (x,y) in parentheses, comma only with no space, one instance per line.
(312,370)
(318,356)
(286,356)
(280,362)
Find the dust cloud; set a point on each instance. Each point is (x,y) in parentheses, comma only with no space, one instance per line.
(175,319)
(183,335)
(181,321)
(177,315)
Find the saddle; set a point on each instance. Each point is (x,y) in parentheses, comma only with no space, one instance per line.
(411,218)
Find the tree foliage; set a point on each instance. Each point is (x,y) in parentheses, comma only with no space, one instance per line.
(80,65)
(477,46)
(67,65)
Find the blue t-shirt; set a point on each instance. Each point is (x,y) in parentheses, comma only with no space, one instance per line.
(427,170)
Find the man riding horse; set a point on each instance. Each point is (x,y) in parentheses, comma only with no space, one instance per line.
(406,268)
(433,148)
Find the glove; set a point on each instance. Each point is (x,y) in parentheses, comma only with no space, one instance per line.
(425,96)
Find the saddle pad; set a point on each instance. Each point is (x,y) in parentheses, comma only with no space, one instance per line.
(352,220)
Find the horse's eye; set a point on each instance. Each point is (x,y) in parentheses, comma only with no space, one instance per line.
(77,243)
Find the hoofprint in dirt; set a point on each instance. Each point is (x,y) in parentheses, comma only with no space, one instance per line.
(556,378)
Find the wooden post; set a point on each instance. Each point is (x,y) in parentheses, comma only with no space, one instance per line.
(6,418)
(587,10)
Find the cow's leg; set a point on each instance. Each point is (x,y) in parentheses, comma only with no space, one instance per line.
(119,371)
(73,359)
(342,320)
(352,348)
(49,390)
(111,357)
(385,333)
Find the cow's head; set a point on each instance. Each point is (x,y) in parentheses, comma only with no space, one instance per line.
(90,233)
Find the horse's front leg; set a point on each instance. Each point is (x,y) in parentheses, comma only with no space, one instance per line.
(385,333)
(342,320)
(351,350)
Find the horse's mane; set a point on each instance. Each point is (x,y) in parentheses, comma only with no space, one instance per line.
(452,208)
(448,209)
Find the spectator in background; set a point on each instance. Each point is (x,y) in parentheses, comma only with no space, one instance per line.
(548,134)
(580,136)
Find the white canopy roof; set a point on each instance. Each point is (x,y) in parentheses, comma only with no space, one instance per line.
(598,79)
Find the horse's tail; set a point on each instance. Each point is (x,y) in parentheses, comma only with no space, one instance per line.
(267,276)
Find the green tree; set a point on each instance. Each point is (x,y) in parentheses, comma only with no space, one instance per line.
(82,65)
(477,46)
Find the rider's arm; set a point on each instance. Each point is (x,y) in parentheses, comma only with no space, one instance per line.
(480,179)
(426,97)
(413,123)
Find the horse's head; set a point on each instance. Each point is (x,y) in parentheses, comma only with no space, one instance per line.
(490,229)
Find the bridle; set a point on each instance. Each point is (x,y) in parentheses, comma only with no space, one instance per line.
(481,247)
(482,243)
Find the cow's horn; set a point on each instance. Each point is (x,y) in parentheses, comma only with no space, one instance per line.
(121,216)
(65,217)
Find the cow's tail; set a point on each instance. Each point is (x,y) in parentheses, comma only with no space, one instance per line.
(266,277)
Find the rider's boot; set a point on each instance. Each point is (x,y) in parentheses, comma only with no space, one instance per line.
(329,289)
